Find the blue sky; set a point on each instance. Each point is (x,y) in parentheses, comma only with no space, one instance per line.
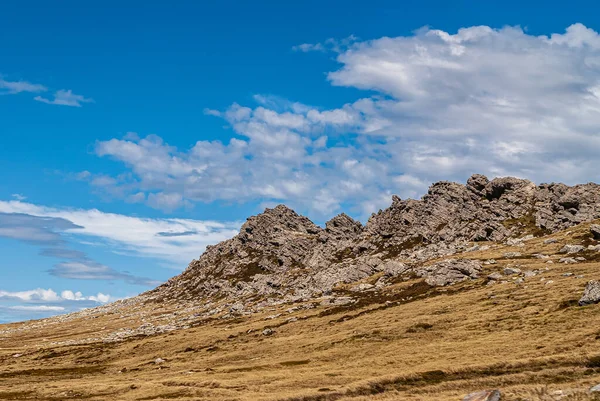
(133,134)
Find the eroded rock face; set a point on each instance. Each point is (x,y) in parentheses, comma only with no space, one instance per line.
(279,253)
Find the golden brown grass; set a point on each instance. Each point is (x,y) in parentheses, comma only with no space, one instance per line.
(530,340)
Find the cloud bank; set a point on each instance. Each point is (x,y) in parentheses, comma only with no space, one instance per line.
(437,105)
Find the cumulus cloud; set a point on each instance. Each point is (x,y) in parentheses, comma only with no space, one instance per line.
(40,302)
(50,296)
(437,105)
(65,98)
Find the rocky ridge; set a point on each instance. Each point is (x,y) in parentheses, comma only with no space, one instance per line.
(281,255)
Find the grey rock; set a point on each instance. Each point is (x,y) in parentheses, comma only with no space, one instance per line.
(591,294)
(595,230)
(279,254)
(595,248)
(567,261)
(571,249)
(495,277)
(450,271)
(512,255)
(550,241)
(486,395)
(158,361)
(268,332)
(595,389)
(511,270)
(362,287)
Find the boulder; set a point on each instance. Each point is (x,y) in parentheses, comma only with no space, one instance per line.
(450,271)
(511,270)
(571,249)
(595,230)
(591,294)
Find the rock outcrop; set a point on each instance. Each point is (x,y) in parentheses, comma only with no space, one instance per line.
(281,254)
(591,294)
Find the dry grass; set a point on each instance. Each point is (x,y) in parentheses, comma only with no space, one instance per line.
(530,340)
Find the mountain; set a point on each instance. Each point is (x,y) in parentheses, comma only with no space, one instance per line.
(488,285)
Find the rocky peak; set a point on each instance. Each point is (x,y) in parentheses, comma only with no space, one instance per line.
(343,227)
(275,222)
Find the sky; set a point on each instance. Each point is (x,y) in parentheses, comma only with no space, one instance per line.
(133,134)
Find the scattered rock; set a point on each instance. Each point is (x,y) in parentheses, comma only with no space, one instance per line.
(268,332)
(495,277)
(490,262)
(362,287)
(486,395)
(567,274)
(595,248)
(158,361)
(567,260)
(591,294)
(450,271)
(541,256)
(595,389)
(511,270)
(17,355)
(571,249)
(512,255)
(550,241)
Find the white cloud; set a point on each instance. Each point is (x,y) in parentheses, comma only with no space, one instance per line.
(440,106)
(50,296)
(19,197)
(65,98)
(37,308)
(14,87)
(133,235)
(331,44)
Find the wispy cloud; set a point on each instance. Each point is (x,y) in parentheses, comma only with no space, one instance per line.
(331,44)
(133,235)
(49,232)
(14,87)
(65,98)
(86,269)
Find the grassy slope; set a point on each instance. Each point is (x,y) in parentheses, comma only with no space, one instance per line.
(530,340)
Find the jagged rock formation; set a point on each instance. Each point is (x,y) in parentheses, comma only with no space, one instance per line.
(281,254)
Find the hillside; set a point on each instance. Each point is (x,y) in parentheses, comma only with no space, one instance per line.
(473,287)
